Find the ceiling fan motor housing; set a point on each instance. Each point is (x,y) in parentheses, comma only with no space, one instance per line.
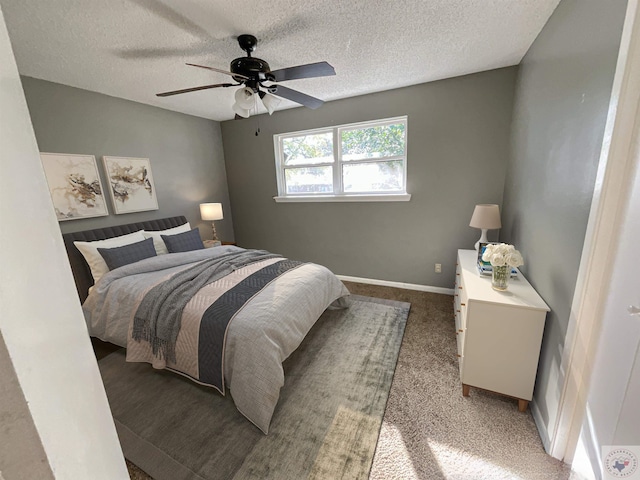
(254,68)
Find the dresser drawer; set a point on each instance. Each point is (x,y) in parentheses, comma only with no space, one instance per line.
(460,354)
(463,315)
(460,340)
(463,294)
(458,319)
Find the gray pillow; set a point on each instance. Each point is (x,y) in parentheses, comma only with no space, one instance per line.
(183,242)
(134,252)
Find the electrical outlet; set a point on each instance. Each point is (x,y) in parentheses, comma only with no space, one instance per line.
(438,268)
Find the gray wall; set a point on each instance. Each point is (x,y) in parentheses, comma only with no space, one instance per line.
(186,153)
(562,96)
(458,146)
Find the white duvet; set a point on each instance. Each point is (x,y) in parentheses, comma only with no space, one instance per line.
(260,337)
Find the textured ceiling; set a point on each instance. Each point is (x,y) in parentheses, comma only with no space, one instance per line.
(135,48)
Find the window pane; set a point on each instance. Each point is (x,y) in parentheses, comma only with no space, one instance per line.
(309,180)
(373,177)
(373,142)
(317,148)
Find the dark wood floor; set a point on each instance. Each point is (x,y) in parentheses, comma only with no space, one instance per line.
(102,349)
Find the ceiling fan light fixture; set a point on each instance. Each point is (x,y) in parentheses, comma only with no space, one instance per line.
(243,112)
(245,98)
(270,102)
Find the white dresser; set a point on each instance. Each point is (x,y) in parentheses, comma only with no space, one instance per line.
(499,333)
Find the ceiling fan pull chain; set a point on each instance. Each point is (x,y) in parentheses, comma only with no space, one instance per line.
(255,108)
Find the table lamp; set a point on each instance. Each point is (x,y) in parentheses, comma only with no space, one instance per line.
(211,211)
(486,217)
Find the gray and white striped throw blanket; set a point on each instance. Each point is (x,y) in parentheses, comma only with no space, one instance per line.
(159,314)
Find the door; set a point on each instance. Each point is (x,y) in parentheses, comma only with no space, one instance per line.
(627,295)
(629,419)
(613,417)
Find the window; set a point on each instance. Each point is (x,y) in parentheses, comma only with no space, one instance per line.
(362,161)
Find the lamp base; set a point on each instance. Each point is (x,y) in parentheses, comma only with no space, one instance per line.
(215,236)
(483,239)
(211,243)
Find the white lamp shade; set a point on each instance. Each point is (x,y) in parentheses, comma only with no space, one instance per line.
(211,211)
(486,216)
(243,112)
(245,101)
(244,98)
(270,102)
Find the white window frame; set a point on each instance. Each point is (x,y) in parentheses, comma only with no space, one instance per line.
(338,194)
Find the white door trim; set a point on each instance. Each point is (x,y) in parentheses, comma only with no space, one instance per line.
(610,197)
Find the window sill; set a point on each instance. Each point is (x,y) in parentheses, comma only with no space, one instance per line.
(400,197)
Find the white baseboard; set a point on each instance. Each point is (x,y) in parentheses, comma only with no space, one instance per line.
(542,428)
(407,286)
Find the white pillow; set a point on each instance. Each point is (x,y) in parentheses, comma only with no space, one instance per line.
(89,251)
(159,245)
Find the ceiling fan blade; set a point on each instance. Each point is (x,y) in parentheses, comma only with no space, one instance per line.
(194,89)
(164,52)
(218,70)
(174,17)
(295,96)
(311,70)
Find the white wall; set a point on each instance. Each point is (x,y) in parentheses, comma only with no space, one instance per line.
(41,321)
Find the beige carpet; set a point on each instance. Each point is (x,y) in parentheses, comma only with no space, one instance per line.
(429,430)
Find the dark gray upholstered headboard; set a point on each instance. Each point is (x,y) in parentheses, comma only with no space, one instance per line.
(81,272)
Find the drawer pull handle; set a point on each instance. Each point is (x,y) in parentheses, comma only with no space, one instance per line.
(458,355)
(458,311)
(460,287)
(463,305)
(458,274)
(460,331)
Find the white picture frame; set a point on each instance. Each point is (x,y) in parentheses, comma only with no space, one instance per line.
(75,186)
(131,184)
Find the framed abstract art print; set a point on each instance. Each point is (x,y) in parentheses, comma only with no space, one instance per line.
(74,184)
(131,184)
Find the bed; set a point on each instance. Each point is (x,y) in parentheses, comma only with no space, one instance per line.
(233,334)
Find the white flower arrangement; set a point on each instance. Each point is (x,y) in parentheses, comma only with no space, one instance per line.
(502,254)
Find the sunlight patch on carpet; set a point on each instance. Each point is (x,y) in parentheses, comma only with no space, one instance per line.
(455,463)
(396,462)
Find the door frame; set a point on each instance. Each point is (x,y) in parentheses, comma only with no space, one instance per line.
(619,157)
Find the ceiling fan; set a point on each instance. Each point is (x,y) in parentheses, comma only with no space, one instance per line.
(253,72)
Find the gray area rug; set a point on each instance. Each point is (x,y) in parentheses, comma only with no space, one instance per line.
(325,426)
